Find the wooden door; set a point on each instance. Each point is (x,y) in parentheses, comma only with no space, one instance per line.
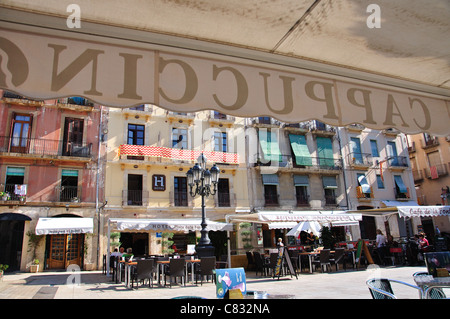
(20,133)
(73,134)
(65,250)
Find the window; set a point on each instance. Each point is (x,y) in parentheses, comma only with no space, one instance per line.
(14,176)
(69,186)
(134,195)
(220,141)
(392,154)
(136,136)
(355,146)
(179,138)
(374,148)
(20,133)
(223,192)
(329,186)
(325,151)
(219,116)
(270,195)
(380,182)
(301,183)
(73,136)
(180,191)
(364,189)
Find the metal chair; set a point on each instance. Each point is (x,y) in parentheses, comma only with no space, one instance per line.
(324,259)
(175,269)
(206,268)
(434,292)
(144,270)
(380,288)
(260,265)
(338,257)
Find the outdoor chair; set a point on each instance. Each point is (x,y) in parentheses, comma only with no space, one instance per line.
(324,259)
(380,288)
(144,270)
(206,268)
(272,263)
(113,266)
(339,257)
(250,261)
(175,269)
(260,265)
(430,292)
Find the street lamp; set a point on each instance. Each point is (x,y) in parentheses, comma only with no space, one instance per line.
(203,178)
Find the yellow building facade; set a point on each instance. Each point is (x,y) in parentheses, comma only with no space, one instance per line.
(149,151)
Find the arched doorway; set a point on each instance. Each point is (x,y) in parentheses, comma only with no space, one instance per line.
(12,226)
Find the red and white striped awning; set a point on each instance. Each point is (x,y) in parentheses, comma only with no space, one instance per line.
(179,154)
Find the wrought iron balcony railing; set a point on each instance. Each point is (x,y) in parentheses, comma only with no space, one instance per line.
(44,147)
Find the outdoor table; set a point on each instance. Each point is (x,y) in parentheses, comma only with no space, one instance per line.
(161,263)
(128,266)
(314,253)
(431,282)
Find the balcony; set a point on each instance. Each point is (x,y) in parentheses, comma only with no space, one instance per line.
(68,194)
(360,160)
(417,175)
(435,171)
(397,162)
(158,154)
(402,196)
(301,163)
(39,147)
(429,142)
(14,193)
(134,197)
(364,196)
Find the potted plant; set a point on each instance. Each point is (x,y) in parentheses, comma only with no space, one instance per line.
(33,243)
(167,243)
(246,234)
(35,265)
(3,267)
(4,195)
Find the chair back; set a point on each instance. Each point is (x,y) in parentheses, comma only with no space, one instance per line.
(250,258)
(258,259)
(207,265)
(338,254)
(176,267)
(380,288)
(273,260)
(433,293)
(324,256)
(144,268)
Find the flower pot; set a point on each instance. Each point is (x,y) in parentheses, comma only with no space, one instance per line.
(34,268)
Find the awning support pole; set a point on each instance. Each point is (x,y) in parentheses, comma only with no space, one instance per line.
(108,252)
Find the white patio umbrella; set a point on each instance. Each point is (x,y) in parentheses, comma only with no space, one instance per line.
(308,226)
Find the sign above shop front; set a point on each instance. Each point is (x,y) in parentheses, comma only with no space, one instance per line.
(122,74)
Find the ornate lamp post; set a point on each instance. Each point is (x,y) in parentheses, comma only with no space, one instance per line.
(203,178)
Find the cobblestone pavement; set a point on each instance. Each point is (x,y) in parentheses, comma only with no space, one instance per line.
(348,284)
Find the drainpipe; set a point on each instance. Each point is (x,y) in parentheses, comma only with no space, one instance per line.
(97,208)
(343,166)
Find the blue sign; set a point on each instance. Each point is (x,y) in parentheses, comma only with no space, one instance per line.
(230,278)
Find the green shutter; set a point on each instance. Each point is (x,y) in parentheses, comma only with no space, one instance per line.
(325,151)
(15,171)
(69,172)
(269,145)
(300,149)
(399,181)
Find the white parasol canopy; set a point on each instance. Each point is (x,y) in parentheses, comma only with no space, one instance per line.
(307,227)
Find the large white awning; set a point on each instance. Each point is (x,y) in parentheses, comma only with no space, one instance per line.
(272,217)
(64,225)
(423,211)
(191,224)
(293,60)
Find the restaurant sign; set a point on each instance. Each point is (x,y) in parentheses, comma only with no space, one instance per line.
(124,73)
